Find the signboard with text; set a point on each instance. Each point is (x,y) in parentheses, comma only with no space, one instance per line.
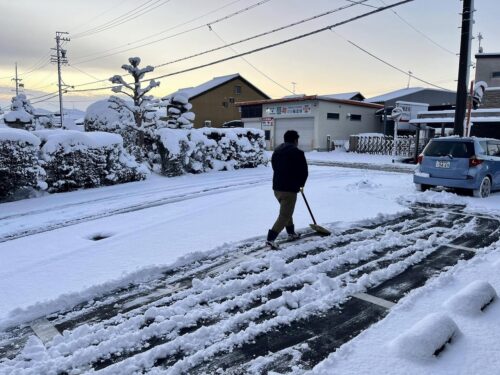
(291,109)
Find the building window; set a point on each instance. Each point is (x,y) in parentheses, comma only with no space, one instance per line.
(333,116)
(231,100)
(355,117)
(225,104)
(267,134)
(237,90)
(249,111)
(495,75)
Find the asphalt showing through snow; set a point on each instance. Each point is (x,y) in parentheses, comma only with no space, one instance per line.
(254,310)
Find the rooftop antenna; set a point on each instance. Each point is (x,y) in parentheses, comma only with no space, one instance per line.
(480,38)
(409,78)
(293,87)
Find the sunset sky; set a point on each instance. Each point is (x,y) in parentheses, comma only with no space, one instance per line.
(423,39)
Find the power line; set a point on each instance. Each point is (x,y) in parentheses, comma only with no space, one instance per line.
(179,33)
(389,64)
(107,23)
(420,32)
(246,39)
(121,2)
(249,63)
(301,36)
(131,17)
(87,74)
(264,33)
(161,32)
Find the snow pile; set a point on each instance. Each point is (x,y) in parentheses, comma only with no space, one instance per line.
(19,165)
(363,184)
(200,150)
(426,338)
(74,159)
(472,299)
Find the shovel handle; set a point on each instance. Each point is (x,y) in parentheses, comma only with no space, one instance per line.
(307,204)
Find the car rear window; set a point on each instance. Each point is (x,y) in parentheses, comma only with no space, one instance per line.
(456,149)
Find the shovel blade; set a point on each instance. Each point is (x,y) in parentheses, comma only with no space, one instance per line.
(320,229)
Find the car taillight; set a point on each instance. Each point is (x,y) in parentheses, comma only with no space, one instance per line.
(420,159)
(474,161)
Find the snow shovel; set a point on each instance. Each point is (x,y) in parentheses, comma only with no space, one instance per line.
(316,227)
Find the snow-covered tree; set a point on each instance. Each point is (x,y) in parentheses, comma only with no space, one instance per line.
(141,104)
(21,114)
(178,111)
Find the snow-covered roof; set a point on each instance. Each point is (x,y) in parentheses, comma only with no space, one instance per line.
(216,81)
(209,85)
(395,94)
(344,95)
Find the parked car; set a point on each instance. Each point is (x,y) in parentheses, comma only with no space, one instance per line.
(462,163)
(233,124)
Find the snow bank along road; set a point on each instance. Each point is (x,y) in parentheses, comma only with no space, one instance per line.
(253,310)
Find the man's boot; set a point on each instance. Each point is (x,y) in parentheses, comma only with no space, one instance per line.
(271,240)
(291,233)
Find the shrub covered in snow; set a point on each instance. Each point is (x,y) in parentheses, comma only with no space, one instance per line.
(21,114)
(199,150)
(19,165)
(75,160)
(178,111)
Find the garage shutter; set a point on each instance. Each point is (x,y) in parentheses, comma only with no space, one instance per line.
(304,126)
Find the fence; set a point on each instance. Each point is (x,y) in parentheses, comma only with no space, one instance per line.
(383,145)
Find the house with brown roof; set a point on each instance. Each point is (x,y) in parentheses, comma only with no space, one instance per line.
(214,101)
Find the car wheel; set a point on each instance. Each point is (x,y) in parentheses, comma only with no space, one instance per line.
(422,187)
(484,189)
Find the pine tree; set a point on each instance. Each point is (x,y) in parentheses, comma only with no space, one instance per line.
(141,104)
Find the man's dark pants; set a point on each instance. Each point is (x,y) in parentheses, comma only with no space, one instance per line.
(287,202)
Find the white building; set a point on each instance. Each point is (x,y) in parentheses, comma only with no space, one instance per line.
(319,120)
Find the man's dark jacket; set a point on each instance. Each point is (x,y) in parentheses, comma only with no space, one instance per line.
(290,168)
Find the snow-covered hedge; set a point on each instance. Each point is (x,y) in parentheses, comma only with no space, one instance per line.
(75,160)
(19,165)
(200,150)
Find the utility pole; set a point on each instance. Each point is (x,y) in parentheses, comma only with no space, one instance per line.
(17,80)
(60,59)
(464,66)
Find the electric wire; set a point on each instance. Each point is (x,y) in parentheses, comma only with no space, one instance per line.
(421,32)
(160,32)
(148,9)
(389,64)
(268,46)
(253,66)
(177,34)
(245,39)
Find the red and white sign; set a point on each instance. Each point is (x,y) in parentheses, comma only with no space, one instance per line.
(267,121)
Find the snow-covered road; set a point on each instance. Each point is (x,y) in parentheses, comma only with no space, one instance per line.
(156,222)
(253,311)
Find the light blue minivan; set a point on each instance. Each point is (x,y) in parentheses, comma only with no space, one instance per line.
(462,163)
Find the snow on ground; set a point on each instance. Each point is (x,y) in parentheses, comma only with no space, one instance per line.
(200,213)
(341,156)
(154,223)
(474,350)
